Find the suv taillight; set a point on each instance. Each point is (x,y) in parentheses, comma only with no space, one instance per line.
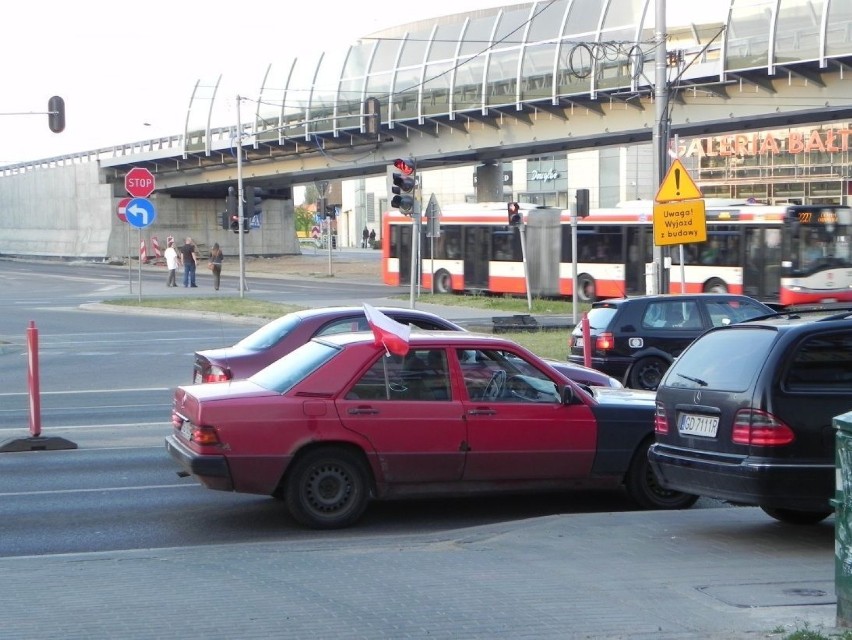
(604,342)
(661,425)
(760,429)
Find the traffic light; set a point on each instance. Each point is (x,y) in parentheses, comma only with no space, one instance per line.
(225,221)
(56,114)
(232,212)
(514,210)
(256,202)
(404,181)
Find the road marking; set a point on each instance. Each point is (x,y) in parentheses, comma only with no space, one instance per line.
(16,494)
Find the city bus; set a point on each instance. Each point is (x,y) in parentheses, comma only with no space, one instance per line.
(817,264)
(750,249)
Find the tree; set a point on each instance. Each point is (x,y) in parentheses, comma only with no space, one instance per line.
(304,220)
(311,194)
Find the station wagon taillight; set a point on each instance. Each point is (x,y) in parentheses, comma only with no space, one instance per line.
(661,425)
(760,429)
(604,342)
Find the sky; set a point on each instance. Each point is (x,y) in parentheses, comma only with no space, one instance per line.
(127,70)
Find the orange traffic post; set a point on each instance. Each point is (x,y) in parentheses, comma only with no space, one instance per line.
(35,442)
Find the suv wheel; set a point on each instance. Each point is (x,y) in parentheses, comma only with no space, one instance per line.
(646,373)
(793,516)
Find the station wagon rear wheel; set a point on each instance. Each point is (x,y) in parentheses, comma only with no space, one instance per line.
(646,373)
(793,516)
(645,489)
(327,489)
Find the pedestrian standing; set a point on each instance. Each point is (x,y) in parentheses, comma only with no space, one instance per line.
(189,258)
(171,257)
(372,238)
(216,258)
(365,234)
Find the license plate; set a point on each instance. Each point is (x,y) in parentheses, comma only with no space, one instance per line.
(692,425)
(186,430)
(578,342)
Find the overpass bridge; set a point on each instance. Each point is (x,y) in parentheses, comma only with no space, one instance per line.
(521,81)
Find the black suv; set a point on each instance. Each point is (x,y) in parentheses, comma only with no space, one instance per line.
(745,413)
(636,339)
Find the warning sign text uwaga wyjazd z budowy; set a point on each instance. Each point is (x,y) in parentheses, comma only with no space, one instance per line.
(679,223)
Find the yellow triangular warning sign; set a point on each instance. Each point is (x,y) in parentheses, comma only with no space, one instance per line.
(677,185)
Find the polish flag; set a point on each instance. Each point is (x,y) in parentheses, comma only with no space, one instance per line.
(388,332)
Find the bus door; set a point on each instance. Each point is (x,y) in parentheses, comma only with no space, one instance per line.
(477,249)
(762,263)
(638,252)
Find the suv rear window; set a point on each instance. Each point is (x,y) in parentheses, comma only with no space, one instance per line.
(700,366)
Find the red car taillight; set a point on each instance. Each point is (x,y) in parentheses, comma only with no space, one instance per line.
(604,342)
(758,428)
(661,425)
(204,436)
(215,374)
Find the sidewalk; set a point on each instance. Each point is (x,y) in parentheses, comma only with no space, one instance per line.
(716,573)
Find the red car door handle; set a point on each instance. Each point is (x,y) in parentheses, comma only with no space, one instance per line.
(482,412)
(362,410)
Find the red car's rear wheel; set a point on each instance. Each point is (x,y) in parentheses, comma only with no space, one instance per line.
(327,488)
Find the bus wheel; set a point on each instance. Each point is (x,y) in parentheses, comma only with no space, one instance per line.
(443,282)
(586,288)
(715,285)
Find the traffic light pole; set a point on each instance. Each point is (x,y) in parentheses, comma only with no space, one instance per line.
(240,200)
(524,258)
(415,250)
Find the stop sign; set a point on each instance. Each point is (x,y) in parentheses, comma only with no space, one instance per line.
(139,182)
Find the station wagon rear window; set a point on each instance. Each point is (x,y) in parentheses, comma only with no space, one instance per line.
(700,367)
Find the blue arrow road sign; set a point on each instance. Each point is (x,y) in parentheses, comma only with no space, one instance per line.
(140,212)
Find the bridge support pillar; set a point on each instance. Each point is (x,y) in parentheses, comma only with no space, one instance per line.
(489,182)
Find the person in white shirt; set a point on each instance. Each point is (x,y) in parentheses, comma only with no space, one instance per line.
(171,256)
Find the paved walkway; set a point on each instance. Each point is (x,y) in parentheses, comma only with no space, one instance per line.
(715,573)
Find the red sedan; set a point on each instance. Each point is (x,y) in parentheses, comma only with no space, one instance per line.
(280,336)
(340,421)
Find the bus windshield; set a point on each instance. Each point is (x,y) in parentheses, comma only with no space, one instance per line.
(819,238)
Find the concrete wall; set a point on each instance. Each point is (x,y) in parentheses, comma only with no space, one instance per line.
(70,212)
(56,212)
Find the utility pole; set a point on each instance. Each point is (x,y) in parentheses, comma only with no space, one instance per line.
(661,129)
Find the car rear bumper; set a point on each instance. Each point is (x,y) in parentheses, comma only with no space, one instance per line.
(211,470)
(744,480)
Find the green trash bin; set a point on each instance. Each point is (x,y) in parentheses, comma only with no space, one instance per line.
(843,519)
